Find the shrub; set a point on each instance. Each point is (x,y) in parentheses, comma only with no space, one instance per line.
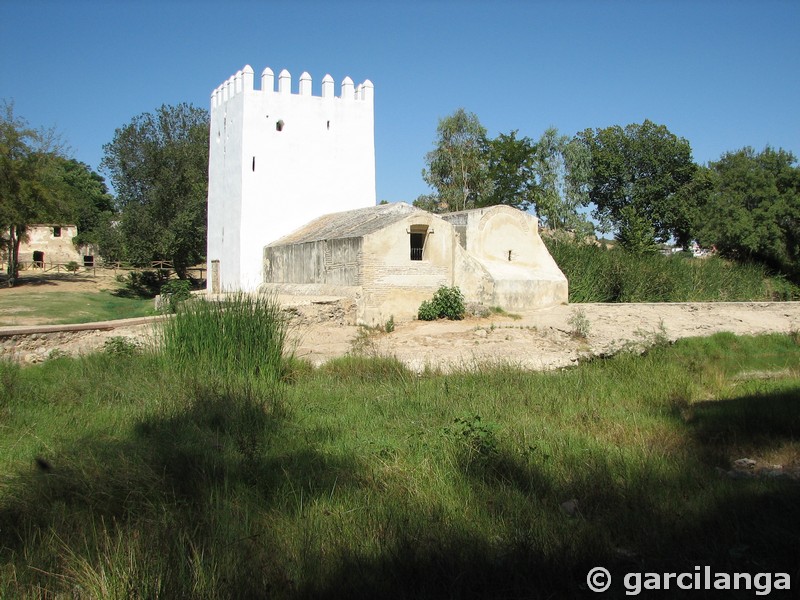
(389,326)
(477,441)
(72,266)
(173,293)
(447,303)
(580,324)
(120,346)
(141,284)
(427,311)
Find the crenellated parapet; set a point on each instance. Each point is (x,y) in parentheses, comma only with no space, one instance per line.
(244,81)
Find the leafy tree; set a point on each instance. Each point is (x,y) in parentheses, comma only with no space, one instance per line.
(635,232)
(85,198)
(511,170)
(29,182)
(750,209)
(690,205)
(639,166)
(158,164)
(562,168)
(458,168)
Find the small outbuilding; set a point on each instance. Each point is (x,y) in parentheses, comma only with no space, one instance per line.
(46,245)
(390,258)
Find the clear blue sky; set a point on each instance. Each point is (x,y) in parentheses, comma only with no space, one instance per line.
(723,74)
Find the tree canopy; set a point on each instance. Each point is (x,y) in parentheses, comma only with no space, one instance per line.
(158,165)
(86,199)
(467,170)
(636,172)
(562,168)
(457,167)
(748,206)
(511,171)
(30,184)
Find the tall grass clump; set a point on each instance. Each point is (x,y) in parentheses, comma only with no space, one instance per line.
(242,337)
(597,274)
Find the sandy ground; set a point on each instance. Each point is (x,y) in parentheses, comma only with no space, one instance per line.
(540,339)
(545,339)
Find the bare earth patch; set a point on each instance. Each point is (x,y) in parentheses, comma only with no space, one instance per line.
(544,339)
(540,339)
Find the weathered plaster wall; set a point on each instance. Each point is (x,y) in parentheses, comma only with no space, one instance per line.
(56,249)
(506,242)
(497,259)
(279,158)
(393,284)
(332,262)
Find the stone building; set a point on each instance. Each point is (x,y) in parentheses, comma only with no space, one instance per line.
(390,258)
(49,244)
(278,158)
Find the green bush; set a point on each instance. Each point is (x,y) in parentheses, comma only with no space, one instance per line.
(120,346)
(174,292)
(427,311)
(447,303)
(389,326)
(141,284)
(72,266)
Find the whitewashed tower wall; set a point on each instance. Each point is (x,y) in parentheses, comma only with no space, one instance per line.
(279,159)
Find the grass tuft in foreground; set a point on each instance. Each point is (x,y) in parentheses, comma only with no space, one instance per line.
(242,336)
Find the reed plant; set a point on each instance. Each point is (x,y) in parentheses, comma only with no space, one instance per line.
(597,274)
(242,336)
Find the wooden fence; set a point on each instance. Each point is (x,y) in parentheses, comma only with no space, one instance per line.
(164,266)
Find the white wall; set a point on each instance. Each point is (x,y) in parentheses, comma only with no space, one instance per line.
(265,183)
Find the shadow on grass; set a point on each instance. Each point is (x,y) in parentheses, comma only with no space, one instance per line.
(46,279)
(169,512)
(753,420)
(629,518)
(166,512)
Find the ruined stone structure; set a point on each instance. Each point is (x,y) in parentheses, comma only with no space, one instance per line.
(277,158)
(390,258)
(48,244)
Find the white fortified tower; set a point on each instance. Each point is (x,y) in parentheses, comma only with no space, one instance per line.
(279,159)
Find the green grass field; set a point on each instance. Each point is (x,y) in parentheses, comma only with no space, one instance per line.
(52,307)
(178,476)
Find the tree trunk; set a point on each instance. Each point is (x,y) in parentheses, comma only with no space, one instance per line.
(9,245)
(13,254)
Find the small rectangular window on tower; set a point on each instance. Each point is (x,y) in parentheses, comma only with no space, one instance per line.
(56,231)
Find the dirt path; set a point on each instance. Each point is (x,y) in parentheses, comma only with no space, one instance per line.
(541,339)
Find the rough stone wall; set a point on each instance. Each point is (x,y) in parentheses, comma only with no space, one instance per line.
(56,249)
